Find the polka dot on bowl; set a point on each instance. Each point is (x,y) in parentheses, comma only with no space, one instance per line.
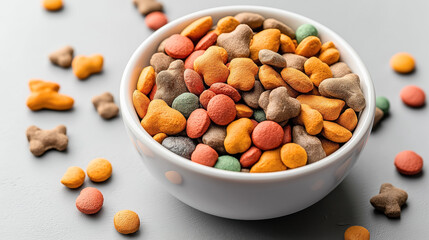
(174,177)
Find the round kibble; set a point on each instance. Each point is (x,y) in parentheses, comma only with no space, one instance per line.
(250,157)
(267,135)
(204,155)
(99,170)
(293,155)
(73,178)
(205,97)
(221,109)
(186,103)
(413,96)
(89,201)
(198,123)
(193,82)
(178,46)
(126,222)
(304,31)
(223,88)
(356,233)
(402,62)
(259,115)
(383,104)
(228,163)
(155,20)
(52,5)
(408,162)
(182,146)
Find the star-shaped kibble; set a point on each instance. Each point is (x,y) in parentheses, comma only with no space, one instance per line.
(390,199)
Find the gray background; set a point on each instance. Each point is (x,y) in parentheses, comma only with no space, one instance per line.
(33,203)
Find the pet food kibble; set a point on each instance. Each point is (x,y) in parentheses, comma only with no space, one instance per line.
(253,20)
(238,138)
(207,41)
(251,97)
(228,163)
(309,47)
(329,54)
(243,111)
(413,96)
(286,44)
(389,200)
(281,107)
(205,97)
(287,137)
(141,103)
(356,233)
(160,61)
(178,46)
(73,177)
(226,25)
(105,105)
(42,140)
(259,115)
(146,80)
(211,65)
(99,170)
(295,61)
(126,222)
(335,132)
(402,62)
(44,95)
(198,28)
(160,118)
(311,119)
(284,29)
(189,62)
(329,108)
(270,78)
(408,163)
(339,69)
(379,114)
(237,42)
(346,88)
(271,58)
(293,155)
(193,82)
(225,89)
(270,161)
(383,104)
(155,20)
(160,137)
(250,157)
(242,73)
(204,155)
(297,80)
(311,144)
(198,123)
(348,119)
(182,146)
(317,70)
(84,66)
(304,31)
(221,109)
(186,103)
(265,39)
(89,201)
(52,5)
(267,135)
(171,83)
(215,137)
(329,146)
(147,6)
(62,57)
(161,47)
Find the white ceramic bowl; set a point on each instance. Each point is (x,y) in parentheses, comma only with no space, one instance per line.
(239,195)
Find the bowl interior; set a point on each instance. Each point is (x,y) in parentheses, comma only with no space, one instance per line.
(142,55)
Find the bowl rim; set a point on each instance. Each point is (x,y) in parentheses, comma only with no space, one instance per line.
(129,115)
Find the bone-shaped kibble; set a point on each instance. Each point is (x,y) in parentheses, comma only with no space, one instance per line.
(147,6)
(43,140)
(278,105)
(346,88)
(62,57)
(171,83)
(85,66)
(311,144)
(237,42)
(390,200)
(105,105)
(44,95)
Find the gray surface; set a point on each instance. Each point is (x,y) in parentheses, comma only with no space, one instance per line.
(33,203)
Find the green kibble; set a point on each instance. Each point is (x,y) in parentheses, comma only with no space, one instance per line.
(304,31)
(383,104)
(186,103)
(259,115)
(228,163)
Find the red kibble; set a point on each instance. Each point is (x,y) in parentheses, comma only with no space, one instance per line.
(223,88)
(250,157)
(198,123)
(178,46)
(205,97)
(205,155)
(152,92)
(89,201)
(287,137)
(408,162)
(413,96)
(156,20)
(189,62)
(221,110)
(193,82)
(207,41)
(267,135)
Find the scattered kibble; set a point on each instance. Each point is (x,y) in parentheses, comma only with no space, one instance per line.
(73,177)
(413,96)
(402,62)
(147,6)
(383,104)
(89,201)
(44,140)
(62,57)
(356,233)
(84,66)
(408,163)
(126,222)
(52,5)
(105,105)
(44,95)
(389,200)
(99,170)
(155,20)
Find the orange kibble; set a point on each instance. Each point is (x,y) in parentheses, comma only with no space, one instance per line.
(293,155)
(348,119)
(286,44)
(311,119)
(160,137)
(52,5)
(242,73)
(329,108)
(126,222)
(265,39)
(44,95)
(160,118)
(328,146)
(329,54)
(211,65)
(198,28)
(402,62)
(309,47)
(99,170)
(243,111)
(146,80)
(356,233)
(317,70)
(270,161)
(335,132)
(270,78)
(297,80)
(226,25)
(141,103)
(84,66)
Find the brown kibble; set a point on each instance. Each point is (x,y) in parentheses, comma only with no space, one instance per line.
(147,6)
(348,119)
(160,61)
(105,105)
(284,29)
(62,57)
(43,140)
(278,105)
(171,82)
(379,114)
(340,69)
(389,200)
(295,61)
(253,20)
(311,144)
(237,42)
